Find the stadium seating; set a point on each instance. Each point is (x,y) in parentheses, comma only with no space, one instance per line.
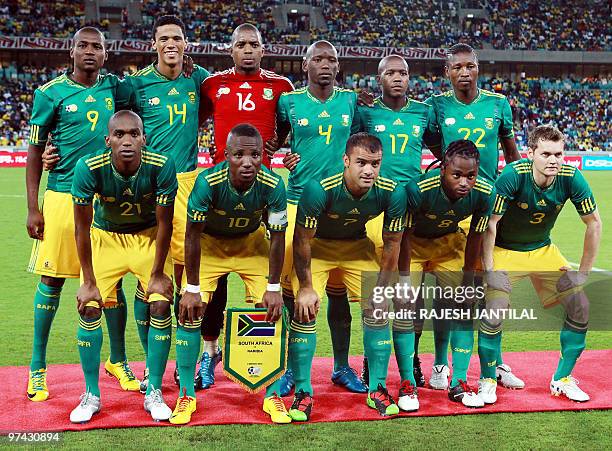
(508,24)
(582,109)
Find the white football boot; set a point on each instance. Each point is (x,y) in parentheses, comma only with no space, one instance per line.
(88,406)
(507,378)
(155,405)
(439,377)
(568,386)
(487,390)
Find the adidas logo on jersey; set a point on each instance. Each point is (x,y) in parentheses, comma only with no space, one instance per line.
(239,207)
(541,203)
(469,116)
(245,85)
(398,121)
(450,213)
(89,99)
(324,114)
(354,211)
(173,92)
(128,192)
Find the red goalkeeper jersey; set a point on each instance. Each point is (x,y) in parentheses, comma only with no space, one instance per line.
(232,99)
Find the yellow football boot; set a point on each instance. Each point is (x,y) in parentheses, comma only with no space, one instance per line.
(123,373)
(275,407)
(37,385)
(185,406)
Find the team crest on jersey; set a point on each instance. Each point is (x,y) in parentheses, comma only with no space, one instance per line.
(489,123)
(450,121)
(90,99)
(109,103)
(154,101)
(523,205)
(416,130)
(192,96)
(379,128)
(345,120)
(72,108)
(268,94)
(222,90)
(302,122)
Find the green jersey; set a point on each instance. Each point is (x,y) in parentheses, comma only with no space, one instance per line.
(483,121)
(401,133)
(432,214)
(77,117)
(228,213)
(529,212)
(319,132)
(169,112)
(327,205)
(124,205)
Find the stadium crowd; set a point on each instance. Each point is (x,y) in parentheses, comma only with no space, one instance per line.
(581,108)
(511,24)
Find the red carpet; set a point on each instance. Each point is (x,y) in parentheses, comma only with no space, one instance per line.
(123,409)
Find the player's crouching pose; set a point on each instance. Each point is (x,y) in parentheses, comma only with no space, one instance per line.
(330,235)
(530,195)
(225,234)
(435,243)
(132,226)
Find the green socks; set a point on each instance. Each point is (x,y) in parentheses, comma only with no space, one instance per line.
(377,347)
(274,387)
(116,319)
(187,353)
(160,333)
(46,303)
(141,315)
(302,346)
(89,343)
(572,344)
(403,344)
(488,351)
(441,333)
(462,344)
(339,320)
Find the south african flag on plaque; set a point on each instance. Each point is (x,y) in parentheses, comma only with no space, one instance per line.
(255,353)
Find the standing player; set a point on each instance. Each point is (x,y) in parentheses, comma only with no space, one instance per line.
(246,93)
(319,117)
(330,236)
(168,103)
(530,195)
(485,118)
(225,234)
(437,203)
(75,107)
(401,124)
(131,231)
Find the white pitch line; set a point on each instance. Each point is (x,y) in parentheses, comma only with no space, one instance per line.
(12,195)
(595,268)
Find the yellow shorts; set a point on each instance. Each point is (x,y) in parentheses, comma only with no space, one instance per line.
(465,224)
(540,265)
(346,259)
(113,255)
(374,230)
(335,284)
(186,181)
(56,254)
(443,256)
(247,256)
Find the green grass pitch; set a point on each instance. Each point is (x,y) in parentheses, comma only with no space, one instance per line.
(566,430)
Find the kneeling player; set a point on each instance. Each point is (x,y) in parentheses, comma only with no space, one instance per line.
(225,232)
(330,235)
(132,225)
(437,203)
(530,195)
